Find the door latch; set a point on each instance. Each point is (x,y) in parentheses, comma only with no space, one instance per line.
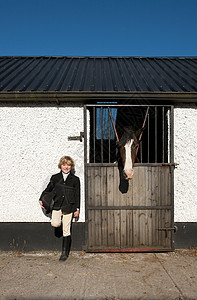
(76,138)
(166,229)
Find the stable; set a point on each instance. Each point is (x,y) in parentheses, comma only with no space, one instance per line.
(55,106)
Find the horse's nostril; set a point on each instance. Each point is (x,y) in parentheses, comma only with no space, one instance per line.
(125,175)
(128,174)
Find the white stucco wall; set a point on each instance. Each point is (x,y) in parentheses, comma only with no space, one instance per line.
(185,154)
(32,140)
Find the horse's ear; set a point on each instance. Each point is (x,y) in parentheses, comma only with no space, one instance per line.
(139,132)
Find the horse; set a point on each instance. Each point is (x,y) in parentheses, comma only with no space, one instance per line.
(128,146)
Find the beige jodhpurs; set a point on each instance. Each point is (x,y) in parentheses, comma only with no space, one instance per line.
(59,217)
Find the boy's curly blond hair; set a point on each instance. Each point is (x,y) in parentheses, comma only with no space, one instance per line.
(66,160)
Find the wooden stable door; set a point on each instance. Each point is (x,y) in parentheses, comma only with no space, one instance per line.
(140,220)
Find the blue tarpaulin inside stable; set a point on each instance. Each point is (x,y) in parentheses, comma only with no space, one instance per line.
(103,130)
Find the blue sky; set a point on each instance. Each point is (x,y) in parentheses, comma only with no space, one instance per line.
(98,27)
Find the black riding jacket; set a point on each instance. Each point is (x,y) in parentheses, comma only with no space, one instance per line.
(67,192)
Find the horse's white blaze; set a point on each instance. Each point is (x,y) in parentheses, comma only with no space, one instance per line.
(128,168)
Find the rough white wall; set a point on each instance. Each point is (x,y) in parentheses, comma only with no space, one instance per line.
(185,150)
(32,140)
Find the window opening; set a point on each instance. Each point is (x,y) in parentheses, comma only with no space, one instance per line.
(155,146)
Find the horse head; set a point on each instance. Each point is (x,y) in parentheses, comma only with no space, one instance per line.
(128,144)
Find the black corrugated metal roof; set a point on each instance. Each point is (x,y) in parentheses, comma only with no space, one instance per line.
(98,74)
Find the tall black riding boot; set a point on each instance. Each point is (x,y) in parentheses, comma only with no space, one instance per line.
(66,244)
(69,244)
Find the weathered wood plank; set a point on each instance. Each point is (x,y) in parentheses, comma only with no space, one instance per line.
(129,229)
(90,229)
(97,186)
(104,214)
(104,229)
(123,228)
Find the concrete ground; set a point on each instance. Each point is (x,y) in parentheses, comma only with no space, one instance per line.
(98,276)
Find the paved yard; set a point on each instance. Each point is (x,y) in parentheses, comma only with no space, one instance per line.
(98,276)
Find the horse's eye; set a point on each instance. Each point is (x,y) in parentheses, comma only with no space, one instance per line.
(135,145)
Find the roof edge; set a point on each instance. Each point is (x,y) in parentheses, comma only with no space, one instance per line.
(95,96)
(99,57)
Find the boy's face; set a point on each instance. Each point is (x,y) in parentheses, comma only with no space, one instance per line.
(66,167)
